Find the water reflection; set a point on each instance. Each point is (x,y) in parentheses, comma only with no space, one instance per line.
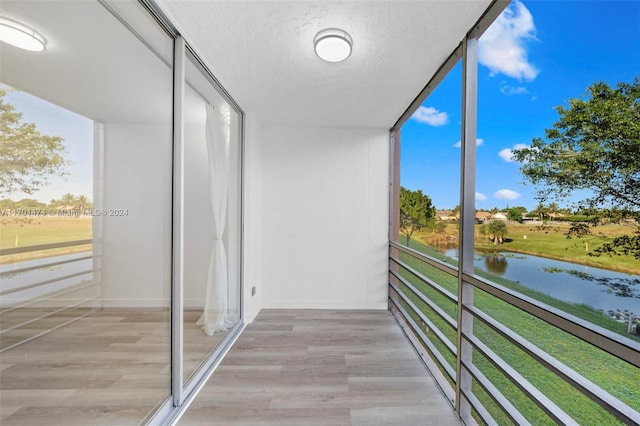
(443,243)
(496,264)
(599,288)
(622,287)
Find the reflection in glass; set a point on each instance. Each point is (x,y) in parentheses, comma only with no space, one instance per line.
(92,320)
(212,218)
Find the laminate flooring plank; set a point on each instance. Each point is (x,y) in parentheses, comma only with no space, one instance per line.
(7,410)
(321,367)
(111,367)
(123,415)
(235,416)
(33,397)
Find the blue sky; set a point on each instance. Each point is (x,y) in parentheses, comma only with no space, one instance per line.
(536,56)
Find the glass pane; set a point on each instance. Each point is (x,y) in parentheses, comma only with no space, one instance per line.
(212,218)
(430,172)
(429,197)
(535,93)
(526,235)
(85,324)
(603,369)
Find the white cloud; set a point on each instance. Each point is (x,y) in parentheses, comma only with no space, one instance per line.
(510,90)
(502,47)
(506,194)
(430,116)
(479,141)
(507,153)
(480,196)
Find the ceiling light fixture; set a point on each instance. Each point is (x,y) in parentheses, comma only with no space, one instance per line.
(333,45)
(21,36)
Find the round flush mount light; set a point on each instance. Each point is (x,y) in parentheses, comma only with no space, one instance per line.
(21,36)
(333,45)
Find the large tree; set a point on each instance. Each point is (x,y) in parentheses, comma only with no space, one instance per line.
(27,157)
(416,211)
(514,214)
(593,148)
(497,230)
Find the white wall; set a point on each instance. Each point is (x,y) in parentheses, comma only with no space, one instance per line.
(252,265)
(136,248)
(324,218)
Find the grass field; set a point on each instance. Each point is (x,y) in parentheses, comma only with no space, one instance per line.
(615,376)
(21,231)
(552,242)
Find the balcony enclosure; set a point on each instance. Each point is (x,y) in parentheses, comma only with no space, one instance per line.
(232,171)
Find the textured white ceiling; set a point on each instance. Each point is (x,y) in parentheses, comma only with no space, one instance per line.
(262,53)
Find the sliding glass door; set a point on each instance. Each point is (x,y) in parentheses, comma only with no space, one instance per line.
(212,189)
(120,248)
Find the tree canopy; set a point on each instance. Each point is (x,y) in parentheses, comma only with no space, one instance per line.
(497,230)
(593,148)
(416,210)
(514,214)
(27,157)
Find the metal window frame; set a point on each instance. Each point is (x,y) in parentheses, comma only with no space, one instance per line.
(177,285)
(467,220)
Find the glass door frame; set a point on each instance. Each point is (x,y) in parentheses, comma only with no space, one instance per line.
(183,393)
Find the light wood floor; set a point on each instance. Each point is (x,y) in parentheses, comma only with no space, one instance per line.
(111,368)
(318,367)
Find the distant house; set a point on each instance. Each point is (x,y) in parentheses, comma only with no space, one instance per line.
(556,215)
(482,217)
(499,216)
(446,215)
(68,210)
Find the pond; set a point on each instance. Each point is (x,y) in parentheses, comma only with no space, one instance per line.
(570,282)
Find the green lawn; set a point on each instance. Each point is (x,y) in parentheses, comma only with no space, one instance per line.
(552,242)
(24,231)
(617,377)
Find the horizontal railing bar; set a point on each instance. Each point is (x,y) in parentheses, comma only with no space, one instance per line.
(25,249)
(610,403)
(622,347)
(505,405)
(46,265)
(42,333)
(32,320)
(439,334)
(480,409)
(426,259)
(437,309)
(534,394)
(41,283)
(436,353)
(77,287)
(429,363)
(446,293)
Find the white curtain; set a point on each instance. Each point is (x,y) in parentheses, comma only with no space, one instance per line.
(216,309)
